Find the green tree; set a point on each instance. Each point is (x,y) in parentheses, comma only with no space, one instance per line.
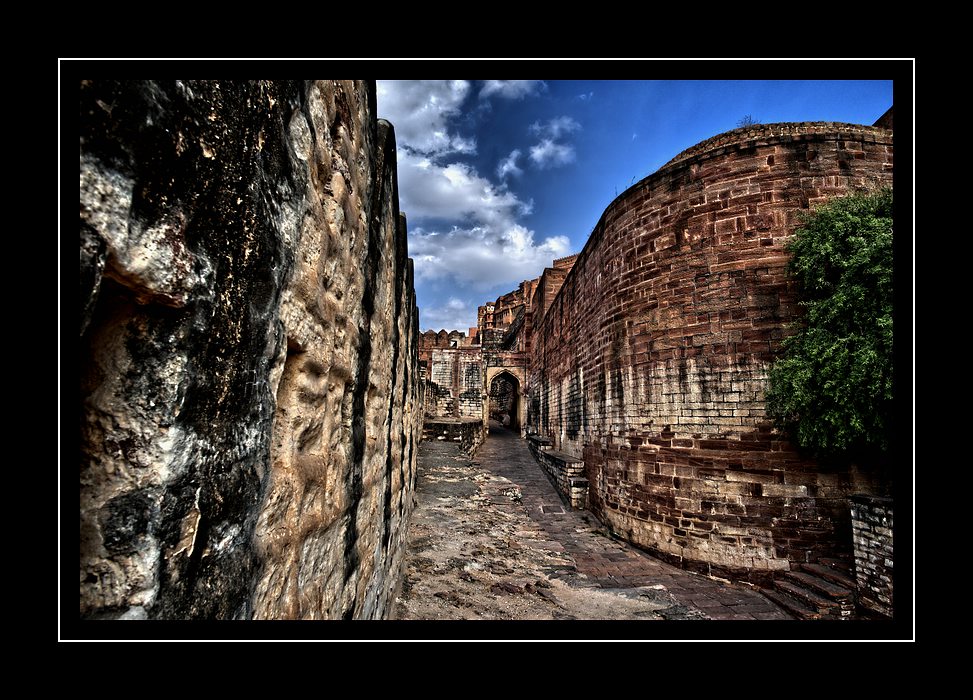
(831,387)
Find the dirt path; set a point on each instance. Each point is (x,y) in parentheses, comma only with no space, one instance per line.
(490,539)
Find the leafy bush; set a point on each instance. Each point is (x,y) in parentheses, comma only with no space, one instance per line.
(831,386)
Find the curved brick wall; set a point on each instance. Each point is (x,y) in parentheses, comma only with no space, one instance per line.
(651,362)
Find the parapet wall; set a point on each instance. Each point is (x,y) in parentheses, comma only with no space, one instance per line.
(657,379)
(249,402)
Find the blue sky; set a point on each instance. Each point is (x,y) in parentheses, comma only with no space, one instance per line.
(499,177)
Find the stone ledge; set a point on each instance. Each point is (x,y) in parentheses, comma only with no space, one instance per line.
(563,457)
(542,442)
(565,471)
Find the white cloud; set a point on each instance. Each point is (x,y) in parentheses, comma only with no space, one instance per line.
(455,314)
(482,257)
(586,96)
(455,191)
(511,89)
(555,128)
(508,166)
(420,109)
(548,154)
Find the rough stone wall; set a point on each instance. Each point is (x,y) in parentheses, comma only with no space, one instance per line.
(871,525)
(657,378)
(470,384)
(249,403)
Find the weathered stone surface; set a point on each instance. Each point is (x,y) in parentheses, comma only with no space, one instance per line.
(249,396)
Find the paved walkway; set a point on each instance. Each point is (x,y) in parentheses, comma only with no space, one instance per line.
(589,557)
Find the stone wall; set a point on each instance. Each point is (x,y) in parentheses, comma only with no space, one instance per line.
(469,384)
(249,403)
(430,340)
(657,379)
(871,525)
(454,384)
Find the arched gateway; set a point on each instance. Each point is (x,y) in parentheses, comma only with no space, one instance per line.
(505,398)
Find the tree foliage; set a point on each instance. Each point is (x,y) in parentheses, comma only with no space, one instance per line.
(831,387)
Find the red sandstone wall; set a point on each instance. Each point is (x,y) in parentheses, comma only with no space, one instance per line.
(651,361)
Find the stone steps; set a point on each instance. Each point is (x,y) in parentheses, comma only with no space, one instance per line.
(821,587)
(807,597)
(539,441)
(792,606)
(822,591)
(565,471)
(830,574)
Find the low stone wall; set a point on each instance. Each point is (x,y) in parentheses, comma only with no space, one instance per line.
(466,431)
(871,525)
(566,472)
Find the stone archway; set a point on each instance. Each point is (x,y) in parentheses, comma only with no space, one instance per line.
(505,398)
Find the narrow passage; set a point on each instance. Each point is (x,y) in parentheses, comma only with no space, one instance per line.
(491,539)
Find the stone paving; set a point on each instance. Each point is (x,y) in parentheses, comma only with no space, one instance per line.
(599,561)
